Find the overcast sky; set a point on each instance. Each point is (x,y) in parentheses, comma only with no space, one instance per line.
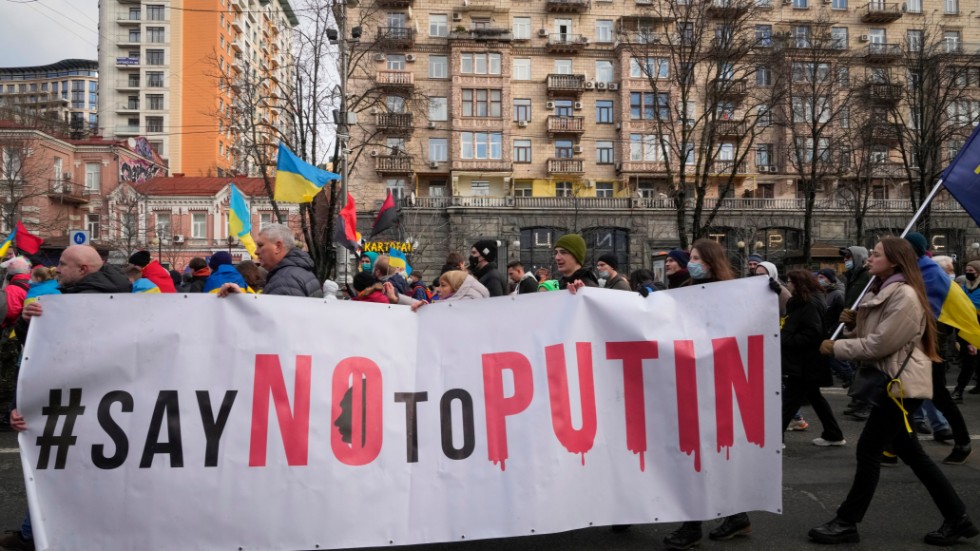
(40,32)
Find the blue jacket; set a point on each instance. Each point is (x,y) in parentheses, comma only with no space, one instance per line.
(226,273)
(49,287)
(974,295)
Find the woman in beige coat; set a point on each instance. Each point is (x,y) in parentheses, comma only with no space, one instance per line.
(892,323)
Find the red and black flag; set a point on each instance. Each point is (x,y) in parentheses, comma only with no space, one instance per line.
(346,233)
(387,216)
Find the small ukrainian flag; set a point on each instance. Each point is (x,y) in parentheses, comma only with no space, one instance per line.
(297,181)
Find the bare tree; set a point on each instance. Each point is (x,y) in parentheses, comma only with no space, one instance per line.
(27,177)
(125,228)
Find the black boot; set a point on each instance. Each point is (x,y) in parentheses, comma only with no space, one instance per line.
(836,531)
(957,395)
(734,525)
(951,531)
(685,537)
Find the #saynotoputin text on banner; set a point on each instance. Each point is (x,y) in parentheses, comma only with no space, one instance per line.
(347,424)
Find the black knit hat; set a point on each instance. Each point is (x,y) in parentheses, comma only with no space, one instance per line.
(140,258)
(610,260)
(829,274)
(487,248)
(680,257)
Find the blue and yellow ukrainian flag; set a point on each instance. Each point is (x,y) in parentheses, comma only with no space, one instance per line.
(949,303)
(962,177)
(397,259)
(240,221)
(6,244)
(297,181)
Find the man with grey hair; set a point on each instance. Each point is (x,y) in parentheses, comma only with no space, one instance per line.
(290,269)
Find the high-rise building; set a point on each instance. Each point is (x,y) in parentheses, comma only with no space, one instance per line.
(519,121)
(66,91)
(165,73)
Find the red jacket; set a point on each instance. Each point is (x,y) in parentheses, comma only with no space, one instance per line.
(15,298)
(160,276)
(372,294)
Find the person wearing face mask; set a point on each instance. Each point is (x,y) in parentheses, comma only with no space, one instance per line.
(606,267)
(968,353)
(483,257)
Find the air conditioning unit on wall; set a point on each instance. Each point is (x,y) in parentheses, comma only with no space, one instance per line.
(178,239)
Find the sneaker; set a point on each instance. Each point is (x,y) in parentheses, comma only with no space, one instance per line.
(943,435)
(951,531)
(827,443)
(685,537)
(958,455)
(13,541)
(734,525)
(922,427)
(798,424)
(889,460)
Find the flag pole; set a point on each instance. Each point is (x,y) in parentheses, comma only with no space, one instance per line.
(908,228)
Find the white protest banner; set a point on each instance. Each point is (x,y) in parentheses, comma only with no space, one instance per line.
(258,422)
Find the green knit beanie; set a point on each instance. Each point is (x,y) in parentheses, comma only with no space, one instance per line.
(573,243)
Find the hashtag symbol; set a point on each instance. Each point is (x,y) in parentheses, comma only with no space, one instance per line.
(54,411)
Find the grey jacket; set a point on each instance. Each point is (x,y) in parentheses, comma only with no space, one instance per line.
(293,276)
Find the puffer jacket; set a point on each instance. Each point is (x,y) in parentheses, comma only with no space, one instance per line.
(293,276)
(470,289)
(889,323)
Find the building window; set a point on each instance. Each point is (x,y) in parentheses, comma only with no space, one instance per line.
(764,116)
(763,35)
(93,177)
(395,62)
(522,69)
(604,30)
(438,25)
(563,189)
(134,13)
(265,219)
(522,28)
(838,4)
(801,4)
(92,225)
(604,71)
(801,33)
(438,109)
(154,102)
(650,67)
(438,149)
(951,41)
(522,151)
(437,188)
(154,12)
(563,66)
(134,35)
(397,187)
(154,57)
(481,103)
(604,189)
(522,110)
(951,7)
(838,37)
(133,102)
(481,188)
(564,149)
(914,6)
(438,66)
(604,153)
(155,35)
(604,111)
(763,156)
(133,80)
(395,104)
(523,189)
(481,145)
(914,39)
(649,105)
(479,64)
(154,79)
(154,124)
(648,147)
(763,75)
(199,225)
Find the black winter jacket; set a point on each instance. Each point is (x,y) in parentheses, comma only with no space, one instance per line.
(800,340)
(490,277)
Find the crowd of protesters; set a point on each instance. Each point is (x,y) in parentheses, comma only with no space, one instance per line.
(881,301)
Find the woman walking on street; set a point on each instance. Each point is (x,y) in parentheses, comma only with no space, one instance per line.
(892,328)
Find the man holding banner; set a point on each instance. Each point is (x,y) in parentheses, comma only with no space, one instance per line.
(290,269)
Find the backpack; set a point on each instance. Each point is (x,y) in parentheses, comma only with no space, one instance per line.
(421,292)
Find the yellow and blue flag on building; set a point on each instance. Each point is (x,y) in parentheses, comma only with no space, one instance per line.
(240,221)
(949,303)
(5,246)
(297,181)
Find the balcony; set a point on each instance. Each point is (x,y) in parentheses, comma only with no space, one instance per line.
(238,45)
(566,6)
(885,132)
(565,84)
(957,48)
(728,88)
(642,167)
(725,168)
(127,84)
(128,107)
(481,165)
(128,130)
(67,192)
(880,92)
(881,12)
(393,4)
(391,80)
(125,40)
(126,19)
(236,24)
(566,166)
(393,164)
(729,128)
(396,38)
(881,52)
(395,124)
(565,125)
(564,43)
(483,34)
(727,9)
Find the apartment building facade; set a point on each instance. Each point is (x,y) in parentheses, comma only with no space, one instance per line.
(65,91)
(519,121)
(171,68)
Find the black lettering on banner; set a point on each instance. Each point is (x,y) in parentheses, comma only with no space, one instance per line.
(112,430)
(167,404)
(411,400)
(213,428)
(446,414)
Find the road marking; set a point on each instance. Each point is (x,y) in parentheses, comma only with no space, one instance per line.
(9,450)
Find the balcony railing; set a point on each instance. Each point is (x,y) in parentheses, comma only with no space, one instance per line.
(395,122)
(729,128)
(566,166)
(393,163)
(67,191)
(727,167)
(396,37)
(566,6)
(881,12)
(564,42)
(880,91)
(566,83)
(395,78)
(728,87)
(881,51)
(566,125)
(393,4)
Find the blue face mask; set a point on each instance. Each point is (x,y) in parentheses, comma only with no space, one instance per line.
(848,264)
(697,270)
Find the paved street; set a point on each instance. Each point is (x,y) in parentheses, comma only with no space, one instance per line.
(814,481)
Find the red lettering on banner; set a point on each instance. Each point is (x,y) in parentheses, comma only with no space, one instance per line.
(632,354)
(748,389)
(688,421)
(498,406)
(581,440)
(294,425)
(363,378)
